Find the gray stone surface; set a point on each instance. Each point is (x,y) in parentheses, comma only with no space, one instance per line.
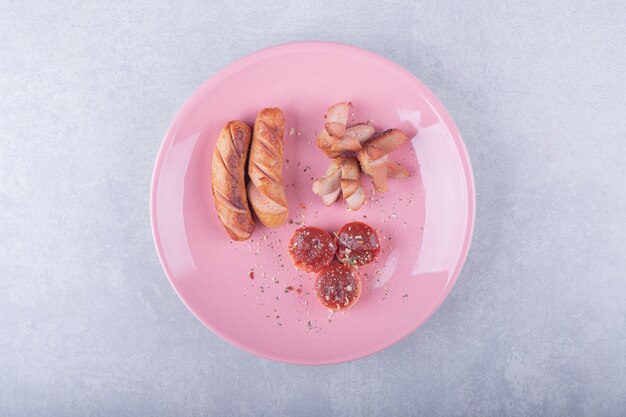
(89,325)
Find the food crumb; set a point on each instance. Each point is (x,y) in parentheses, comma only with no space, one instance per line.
(292,131)
(251,274)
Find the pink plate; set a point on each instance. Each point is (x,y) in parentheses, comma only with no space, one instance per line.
(425,221)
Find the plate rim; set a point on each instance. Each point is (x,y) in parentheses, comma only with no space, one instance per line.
(430,97)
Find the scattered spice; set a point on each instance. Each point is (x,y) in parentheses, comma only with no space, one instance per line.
(251,274)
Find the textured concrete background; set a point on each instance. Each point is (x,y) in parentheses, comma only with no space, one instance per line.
(89,325)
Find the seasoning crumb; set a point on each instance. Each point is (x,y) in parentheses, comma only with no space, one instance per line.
(251,274)
(310,325)
(292,131)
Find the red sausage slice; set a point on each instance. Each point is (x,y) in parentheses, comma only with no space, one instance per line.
(311,249)
(338,286)
(358,244)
